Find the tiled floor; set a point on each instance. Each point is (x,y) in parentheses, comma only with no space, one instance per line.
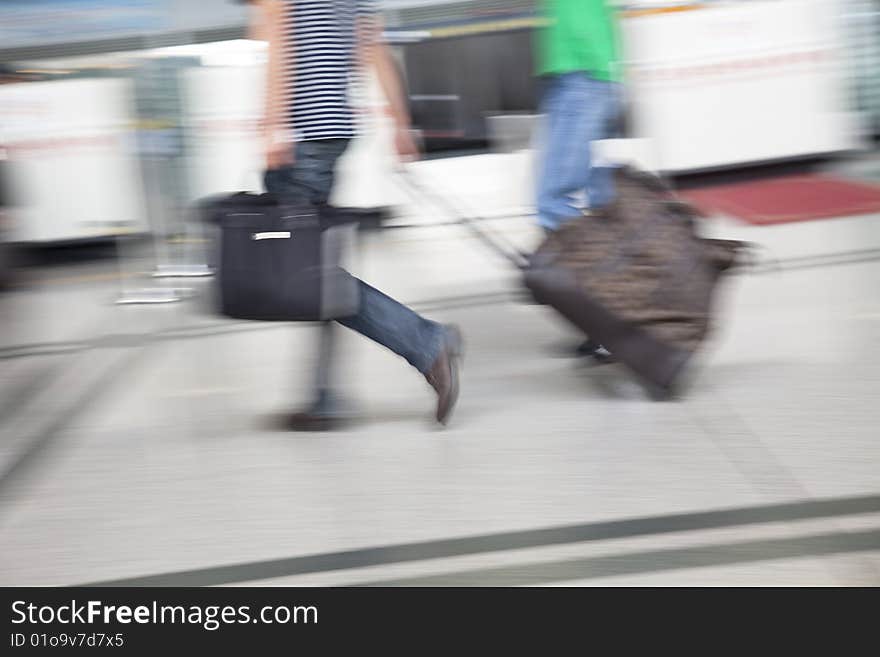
(137,441)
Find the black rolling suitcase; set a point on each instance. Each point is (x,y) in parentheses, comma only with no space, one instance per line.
(277,262)
(635,277)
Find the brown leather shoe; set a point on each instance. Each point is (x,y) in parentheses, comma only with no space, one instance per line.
(443,375)
(314,422)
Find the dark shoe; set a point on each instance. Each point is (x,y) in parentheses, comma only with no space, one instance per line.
(308,421)
(443,375)
(327,413)
(596,351)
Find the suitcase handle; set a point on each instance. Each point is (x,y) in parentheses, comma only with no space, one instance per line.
(495,242)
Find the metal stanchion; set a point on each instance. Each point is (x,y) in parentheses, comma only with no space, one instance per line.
(155,146)
(175,252)
(160,149)
(177,256)
(128,254)
(140,295)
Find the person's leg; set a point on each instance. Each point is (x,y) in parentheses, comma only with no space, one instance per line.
(432,348)
(547,202)
(313,174)
(600,180)
(578,111)
(566,157)
(428,346)
(399,328)
(310,180)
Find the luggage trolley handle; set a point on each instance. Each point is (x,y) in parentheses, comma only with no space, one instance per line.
(495,242)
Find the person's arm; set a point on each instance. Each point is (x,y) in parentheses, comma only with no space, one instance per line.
(270,26)
(257,22)
(376,55)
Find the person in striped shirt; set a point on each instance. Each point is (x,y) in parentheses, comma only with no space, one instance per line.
(318,50)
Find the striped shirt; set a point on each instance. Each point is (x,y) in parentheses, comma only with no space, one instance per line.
(320,38)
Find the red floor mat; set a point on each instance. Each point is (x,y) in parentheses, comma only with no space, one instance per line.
(787,199)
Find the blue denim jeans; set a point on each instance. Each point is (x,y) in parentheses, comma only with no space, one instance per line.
(310,178)
(578,109)
(379,317)
(397,327)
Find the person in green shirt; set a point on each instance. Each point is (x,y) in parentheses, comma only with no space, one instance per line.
(578,53)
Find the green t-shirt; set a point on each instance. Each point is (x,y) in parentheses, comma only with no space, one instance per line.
(580,35)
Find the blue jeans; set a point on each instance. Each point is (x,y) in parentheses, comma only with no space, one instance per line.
(578,109)
(397,327)
(379,317)
(310,178)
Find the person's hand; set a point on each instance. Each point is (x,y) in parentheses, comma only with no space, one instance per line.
(278,155)
(405,144)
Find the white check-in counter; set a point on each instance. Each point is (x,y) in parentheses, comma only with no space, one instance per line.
(72,168)
(724,84)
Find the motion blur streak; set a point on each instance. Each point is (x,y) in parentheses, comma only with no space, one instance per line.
(144,436)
